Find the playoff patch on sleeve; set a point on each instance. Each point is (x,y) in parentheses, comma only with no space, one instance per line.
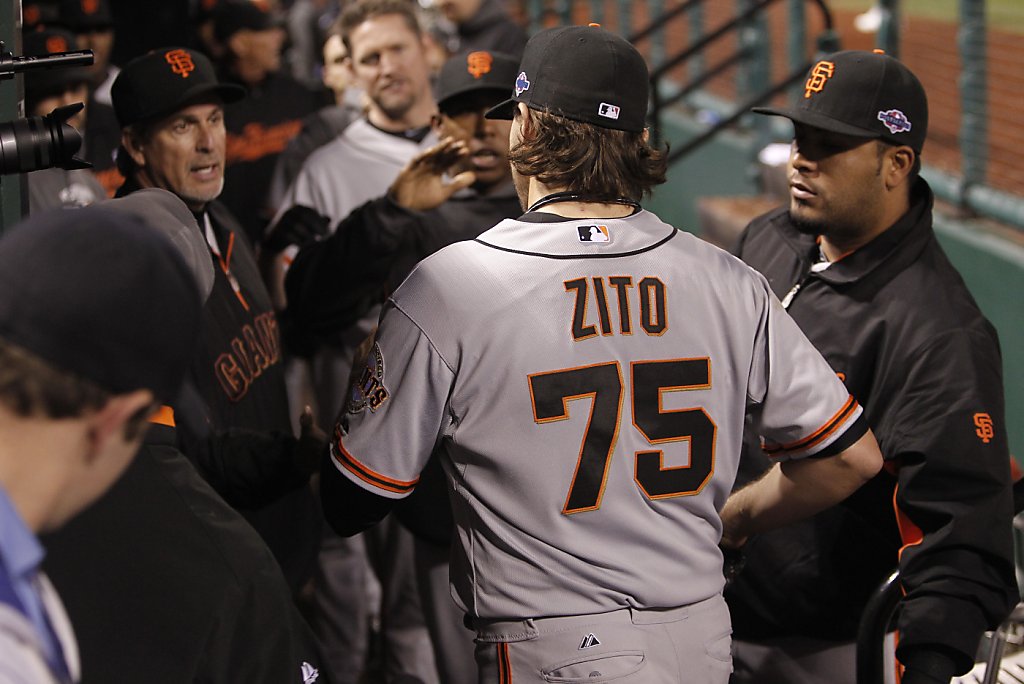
(369,390)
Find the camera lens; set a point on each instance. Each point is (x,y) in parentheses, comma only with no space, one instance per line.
(41,142)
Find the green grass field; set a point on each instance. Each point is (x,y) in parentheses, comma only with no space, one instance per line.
(1007,15)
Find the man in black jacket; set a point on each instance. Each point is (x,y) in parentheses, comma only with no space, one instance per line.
(171,109)
(856,263)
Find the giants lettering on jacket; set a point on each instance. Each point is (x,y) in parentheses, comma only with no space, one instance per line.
(256,349)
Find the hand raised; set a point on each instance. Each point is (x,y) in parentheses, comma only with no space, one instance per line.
(422,184)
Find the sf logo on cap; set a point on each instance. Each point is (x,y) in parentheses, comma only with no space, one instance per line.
(820,74)
(181,62)
(522,83)
(56,44)
(479,63)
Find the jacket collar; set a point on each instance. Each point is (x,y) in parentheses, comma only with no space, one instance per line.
(904,240)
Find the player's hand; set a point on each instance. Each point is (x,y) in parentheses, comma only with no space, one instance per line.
(422,185)
(311,443)
(300,225)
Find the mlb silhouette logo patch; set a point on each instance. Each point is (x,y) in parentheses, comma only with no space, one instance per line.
(522,83)
(608,111)
(593,233)
(895,120)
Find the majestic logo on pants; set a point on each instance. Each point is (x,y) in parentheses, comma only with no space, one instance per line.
(589,641)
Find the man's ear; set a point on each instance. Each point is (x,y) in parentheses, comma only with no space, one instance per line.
(132,142)
(898,165)
(238,43)
(525,119)
(110,421)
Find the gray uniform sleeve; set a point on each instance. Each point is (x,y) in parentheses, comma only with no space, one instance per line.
(397,411)
(799,406)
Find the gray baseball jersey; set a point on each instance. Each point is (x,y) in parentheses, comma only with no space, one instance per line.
(587,381)
(355,167)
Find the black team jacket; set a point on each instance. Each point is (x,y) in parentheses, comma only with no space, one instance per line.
(244,444)
(166,584)
(897,323)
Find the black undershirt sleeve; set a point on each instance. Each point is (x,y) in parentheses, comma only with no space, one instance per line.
(348,508)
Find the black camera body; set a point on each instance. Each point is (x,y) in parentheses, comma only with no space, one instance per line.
(41,142)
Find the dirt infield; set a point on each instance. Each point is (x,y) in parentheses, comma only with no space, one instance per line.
(929,47)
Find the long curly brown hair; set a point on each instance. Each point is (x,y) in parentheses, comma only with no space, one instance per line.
(596,162)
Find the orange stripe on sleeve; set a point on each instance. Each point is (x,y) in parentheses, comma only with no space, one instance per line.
(350,463)
(819,435)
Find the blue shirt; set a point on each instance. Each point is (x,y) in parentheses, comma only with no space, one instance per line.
(21,555)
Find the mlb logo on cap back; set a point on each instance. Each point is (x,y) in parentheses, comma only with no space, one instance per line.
(608,110)
(583,73)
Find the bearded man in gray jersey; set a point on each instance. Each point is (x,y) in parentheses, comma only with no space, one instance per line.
(562,364)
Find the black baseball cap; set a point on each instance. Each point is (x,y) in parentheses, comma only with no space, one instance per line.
(864,94)
(82,16)
(476,71)
(163,81)
(232,16)
(37,13)
(99,293)
(43,83)
(583,73)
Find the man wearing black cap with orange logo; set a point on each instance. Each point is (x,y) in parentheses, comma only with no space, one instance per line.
(856,263)
(562,363)
(260,125)
(171,109)
(45,90)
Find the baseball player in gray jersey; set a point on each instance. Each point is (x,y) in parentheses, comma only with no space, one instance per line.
(586,371)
